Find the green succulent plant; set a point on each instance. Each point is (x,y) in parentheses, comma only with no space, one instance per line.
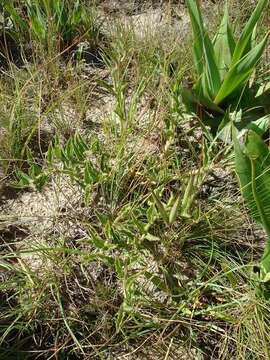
(223,65)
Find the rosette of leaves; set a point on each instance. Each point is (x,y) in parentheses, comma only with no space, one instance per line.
(224,66)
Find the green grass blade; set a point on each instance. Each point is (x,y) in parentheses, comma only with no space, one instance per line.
(241,71)
(246,34)
(18,22)
(38,25)
(62,311)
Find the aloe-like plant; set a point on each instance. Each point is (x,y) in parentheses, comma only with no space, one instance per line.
(223,64)
(252,160)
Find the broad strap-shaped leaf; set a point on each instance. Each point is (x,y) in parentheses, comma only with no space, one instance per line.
(253,169)
(197,28)
(202,90)
(203,49)
(224,44)
(241,71)
(204,93)
(252,41)
(246,34)
(211,71)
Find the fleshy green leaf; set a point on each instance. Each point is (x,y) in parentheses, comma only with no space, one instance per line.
(241,71)
(246,34)
(203,49)
(253,169)
(224,44)
(197,27)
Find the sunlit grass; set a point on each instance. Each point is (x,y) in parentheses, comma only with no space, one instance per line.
(122,229)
